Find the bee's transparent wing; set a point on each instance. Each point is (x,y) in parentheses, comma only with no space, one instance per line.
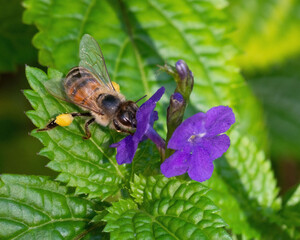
(56,89)
(91,57)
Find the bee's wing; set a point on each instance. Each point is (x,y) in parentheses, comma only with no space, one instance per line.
(91,57)
(56,89)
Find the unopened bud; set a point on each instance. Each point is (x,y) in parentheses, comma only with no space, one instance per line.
(175,114)
(183,76)
(186,79)
(177,105)
(182,69)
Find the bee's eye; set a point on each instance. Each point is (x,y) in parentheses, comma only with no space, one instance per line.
(125,118)
(126,115)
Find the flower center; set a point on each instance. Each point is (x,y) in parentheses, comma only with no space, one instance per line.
(195,136)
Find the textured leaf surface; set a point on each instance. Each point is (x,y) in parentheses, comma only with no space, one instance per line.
(88,165)
(15,37)
(146,160)
(291,209)
(289,215)
(294,199)
(137,35)
(167,209)
(34,207)
(267,31)
(246,192)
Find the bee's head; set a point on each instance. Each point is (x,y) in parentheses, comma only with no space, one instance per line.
(125,120)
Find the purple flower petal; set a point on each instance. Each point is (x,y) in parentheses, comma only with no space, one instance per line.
(192,126)
(157,95)
(216,146)
(154,137)
(144,115)
(154,117)
(176,164)
(126,149)
(200,165)
(219,119)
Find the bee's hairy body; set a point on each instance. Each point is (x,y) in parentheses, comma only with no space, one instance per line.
(108,107)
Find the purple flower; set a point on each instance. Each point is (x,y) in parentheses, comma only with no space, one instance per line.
(197,143)
(145,116)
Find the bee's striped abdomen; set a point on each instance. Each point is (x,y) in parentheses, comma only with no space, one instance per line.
(81,86)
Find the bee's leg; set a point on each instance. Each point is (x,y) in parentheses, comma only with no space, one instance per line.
(86,114)
(49,126)
(63,120)
(86,127)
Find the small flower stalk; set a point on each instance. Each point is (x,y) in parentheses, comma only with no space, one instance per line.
(191,145)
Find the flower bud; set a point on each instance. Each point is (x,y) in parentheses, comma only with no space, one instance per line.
(176,107)
(185,82)
(182,69)
(175,114)
(183,77)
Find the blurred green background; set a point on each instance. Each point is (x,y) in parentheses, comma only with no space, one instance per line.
(18,150)
(266,34)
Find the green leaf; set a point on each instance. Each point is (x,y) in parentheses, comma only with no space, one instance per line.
(88,165)
(267,31)
(146,160)
(277,89)
(244,187)
(255,175)
(294,198)
(291,209)
(15,37)
(33,207)
(167,209)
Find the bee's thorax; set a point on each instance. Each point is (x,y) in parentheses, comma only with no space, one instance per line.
(108,103)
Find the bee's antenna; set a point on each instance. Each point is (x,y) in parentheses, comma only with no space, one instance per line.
(140,99)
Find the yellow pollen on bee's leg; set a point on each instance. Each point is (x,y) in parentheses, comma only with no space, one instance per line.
(64,119)
(116,86)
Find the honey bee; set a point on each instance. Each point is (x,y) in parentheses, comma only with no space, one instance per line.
(89,87)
